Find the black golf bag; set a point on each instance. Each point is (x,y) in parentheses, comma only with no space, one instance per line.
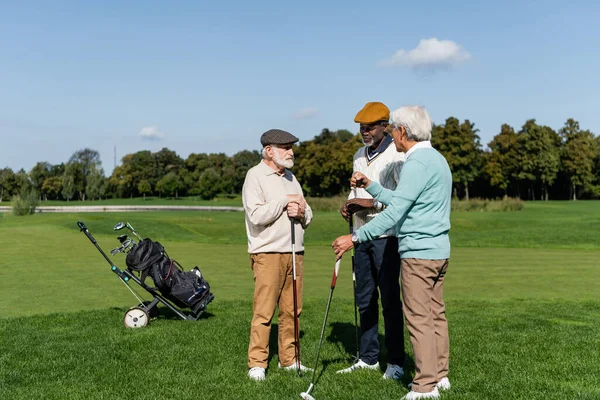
(186,289)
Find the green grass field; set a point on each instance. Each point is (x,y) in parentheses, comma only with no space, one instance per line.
(521,297)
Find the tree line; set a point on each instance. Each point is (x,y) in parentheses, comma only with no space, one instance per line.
(531,163)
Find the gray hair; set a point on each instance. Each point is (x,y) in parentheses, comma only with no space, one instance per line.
(415,120)
(264,151)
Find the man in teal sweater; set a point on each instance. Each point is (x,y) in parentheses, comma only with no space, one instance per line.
(419,210)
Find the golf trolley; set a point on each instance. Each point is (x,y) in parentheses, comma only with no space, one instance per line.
(174,288)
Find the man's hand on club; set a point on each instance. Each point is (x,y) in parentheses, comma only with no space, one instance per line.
(354,205)
(296,206)
(359,180)
(341,245)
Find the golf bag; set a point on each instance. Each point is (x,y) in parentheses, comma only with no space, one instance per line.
(186,289)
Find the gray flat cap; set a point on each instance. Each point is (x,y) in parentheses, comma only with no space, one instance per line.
(277,136)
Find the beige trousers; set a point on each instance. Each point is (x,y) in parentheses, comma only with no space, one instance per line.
(425,313)
(273,276)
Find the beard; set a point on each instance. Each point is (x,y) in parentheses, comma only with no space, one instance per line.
(281,162)
(367,142)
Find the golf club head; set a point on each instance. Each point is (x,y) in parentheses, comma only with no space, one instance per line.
(119,226)
(123,238)
(128,245)
(306,395)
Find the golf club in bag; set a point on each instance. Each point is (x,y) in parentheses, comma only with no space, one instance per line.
(295,294)
(190,284)
(306,395)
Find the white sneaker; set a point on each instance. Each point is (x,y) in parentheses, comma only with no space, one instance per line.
(360,364)
(256,373)
(294,367)
(434,394)
(443,384)
(394,372)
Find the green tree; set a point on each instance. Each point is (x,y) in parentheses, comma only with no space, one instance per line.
(577,156)
(460,145)
(144,187)
(169,184)
(121,178)
(96,184)
(82,164)
(502,160)
(68,188)
(242,162)
(22,183)
(208,185)
(540,156)
(143,167)
(7,183)
(52,187)
(38,174)
(167,161)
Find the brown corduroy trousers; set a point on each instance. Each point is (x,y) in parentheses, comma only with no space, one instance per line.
(273,276)
(425,313)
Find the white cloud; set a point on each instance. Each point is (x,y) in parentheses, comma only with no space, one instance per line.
(429,53)
(151,133)
(306,113)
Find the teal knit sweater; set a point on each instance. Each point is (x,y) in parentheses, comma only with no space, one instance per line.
(418,209)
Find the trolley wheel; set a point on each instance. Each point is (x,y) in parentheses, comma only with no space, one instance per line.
(136,317)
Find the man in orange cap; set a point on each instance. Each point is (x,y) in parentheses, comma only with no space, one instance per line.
(377,262)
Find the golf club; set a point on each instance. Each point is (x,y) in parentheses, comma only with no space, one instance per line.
(306,395)
(351,227)
(296,330)
(121,225)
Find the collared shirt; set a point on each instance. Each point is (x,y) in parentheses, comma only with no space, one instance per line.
(420,145)
(264,196)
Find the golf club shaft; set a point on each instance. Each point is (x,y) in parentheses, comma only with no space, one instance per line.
(333,282)
(295,294)
(132,230)
(114,268)
(351,228)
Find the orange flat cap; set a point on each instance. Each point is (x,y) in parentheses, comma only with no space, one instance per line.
(372,112)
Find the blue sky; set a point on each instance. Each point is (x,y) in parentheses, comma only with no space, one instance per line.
(202,77)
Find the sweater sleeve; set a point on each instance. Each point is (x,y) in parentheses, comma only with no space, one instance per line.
(260,212)
(413,178)
(380,193)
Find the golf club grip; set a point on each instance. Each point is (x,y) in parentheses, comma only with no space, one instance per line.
(335,272)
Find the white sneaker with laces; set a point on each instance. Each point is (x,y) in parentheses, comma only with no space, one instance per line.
(360,364)
(394,372)
(443,384)
(434,394)
(256,373)
(293,367)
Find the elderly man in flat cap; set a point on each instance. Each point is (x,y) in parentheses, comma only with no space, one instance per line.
(376,262)
(272,197)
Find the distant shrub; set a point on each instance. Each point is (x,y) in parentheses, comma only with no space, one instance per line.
(326,203)
(508,204)
(25,203)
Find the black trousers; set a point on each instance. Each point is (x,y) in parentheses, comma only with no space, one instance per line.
(377,268)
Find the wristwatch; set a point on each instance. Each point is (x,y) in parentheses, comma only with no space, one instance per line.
(377,205)
(355,238)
